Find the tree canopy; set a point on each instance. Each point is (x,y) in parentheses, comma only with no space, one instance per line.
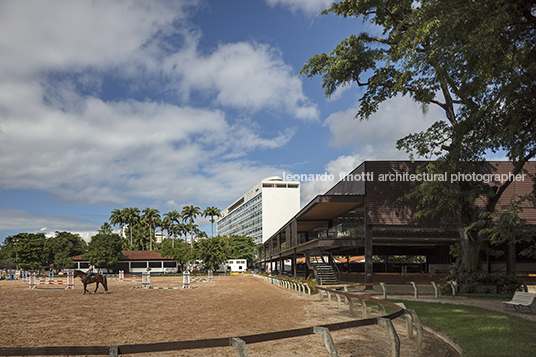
(473,59)
(213,251)
(64,245)
(104,250)
(28,250)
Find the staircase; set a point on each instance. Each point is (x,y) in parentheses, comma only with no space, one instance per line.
(318,262)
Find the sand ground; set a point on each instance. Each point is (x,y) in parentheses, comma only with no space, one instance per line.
(225,307)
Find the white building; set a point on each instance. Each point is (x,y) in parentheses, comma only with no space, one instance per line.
(235,265)
(262,210)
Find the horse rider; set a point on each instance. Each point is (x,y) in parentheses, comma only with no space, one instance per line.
(90,271)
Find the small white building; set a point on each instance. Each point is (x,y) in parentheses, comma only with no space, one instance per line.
(235,265)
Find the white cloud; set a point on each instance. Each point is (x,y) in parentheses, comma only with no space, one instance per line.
(309,7)
(242,75)
(108,151)
(12,219)
(375,139)
(58,136)
(336,168)
(63,34)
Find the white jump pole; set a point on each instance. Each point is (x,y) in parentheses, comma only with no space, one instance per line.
(32,281)
(70,280)
(186,279)
(146,279)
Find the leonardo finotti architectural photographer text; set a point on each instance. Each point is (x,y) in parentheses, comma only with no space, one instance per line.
(406,176)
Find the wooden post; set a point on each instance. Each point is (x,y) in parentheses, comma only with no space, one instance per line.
(240,346)
(328,340)
(349,300)
(395,341)
(363,308)
(436,290)
(416,291)
(114,351)
(384,288)
(419,327)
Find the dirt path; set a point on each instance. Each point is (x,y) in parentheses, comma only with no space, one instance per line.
(226,307)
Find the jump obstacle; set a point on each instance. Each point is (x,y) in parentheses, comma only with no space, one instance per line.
(146,281)
(34,285)
(121,277)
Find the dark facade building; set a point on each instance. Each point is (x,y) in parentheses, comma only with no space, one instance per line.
(363,215)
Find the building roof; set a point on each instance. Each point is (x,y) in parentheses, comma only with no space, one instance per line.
(137,255)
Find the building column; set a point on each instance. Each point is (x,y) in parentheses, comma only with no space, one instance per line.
(306,268)
(368,257)
(294,264)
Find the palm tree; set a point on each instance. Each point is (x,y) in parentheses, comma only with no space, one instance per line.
(182,230)
(190,213)
(212,212)
(171,221)
(151,217)
(200,234)
(131,217)
(117,218)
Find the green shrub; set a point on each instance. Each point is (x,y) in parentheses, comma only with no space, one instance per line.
(506,284)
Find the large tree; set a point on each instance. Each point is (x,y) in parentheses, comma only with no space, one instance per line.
(243,247)
(28,250)
(180,251)
(213,251)
(64,245)
(473,59)
(104,250)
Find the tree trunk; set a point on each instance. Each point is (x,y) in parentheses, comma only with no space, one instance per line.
(470,252)
(511,259)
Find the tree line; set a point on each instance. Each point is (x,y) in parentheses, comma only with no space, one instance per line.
(34,251)
(137,231)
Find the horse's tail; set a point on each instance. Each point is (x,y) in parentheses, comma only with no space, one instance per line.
(105,282)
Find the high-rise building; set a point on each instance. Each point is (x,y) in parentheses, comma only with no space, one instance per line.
(261,210)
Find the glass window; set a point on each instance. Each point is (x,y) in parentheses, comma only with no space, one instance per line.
(138,264)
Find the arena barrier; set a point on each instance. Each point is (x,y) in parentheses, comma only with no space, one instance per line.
(121,277)
(33,285)
(146,283)
(285,283)
(202,279)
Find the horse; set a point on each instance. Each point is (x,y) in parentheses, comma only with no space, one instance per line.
(96,278)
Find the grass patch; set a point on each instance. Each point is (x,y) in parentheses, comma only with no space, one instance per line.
(480,332)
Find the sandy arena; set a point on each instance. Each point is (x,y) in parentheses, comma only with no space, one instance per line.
(225,307)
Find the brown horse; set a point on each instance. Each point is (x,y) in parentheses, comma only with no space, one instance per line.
(96,278)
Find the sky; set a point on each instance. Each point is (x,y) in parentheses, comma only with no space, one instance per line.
(163,104)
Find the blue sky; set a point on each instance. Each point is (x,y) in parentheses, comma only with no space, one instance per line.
(112,104)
